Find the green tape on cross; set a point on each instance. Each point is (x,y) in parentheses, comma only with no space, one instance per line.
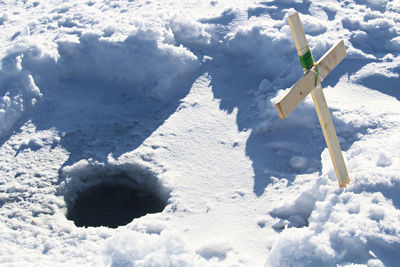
(316,75)
(307,60)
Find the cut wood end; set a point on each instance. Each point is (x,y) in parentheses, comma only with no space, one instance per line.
(345,183)
(280,113)
(293,14)
(344,47)
(341,43)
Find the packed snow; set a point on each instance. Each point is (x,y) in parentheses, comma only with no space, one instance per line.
(174,100)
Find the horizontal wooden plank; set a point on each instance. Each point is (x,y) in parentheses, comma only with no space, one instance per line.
(331,59)
(288,102)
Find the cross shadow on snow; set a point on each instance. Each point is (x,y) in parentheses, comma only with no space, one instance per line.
(378,82)
(289,147)
(270,151)
(278,149)
(107,97)
(283,149)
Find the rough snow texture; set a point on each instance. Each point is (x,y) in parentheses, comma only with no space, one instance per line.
(178,96)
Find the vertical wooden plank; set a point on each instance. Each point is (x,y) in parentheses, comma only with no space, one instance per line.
(298,34)
(321,106)
(331,139)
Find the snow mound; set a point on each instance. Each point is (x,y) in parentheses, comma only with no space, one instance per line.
(214,250)
(18,91)
(146,62)
(177,98)
(166,249)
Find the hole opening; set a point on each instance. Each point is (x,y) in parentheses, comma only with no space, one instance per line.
(114,201)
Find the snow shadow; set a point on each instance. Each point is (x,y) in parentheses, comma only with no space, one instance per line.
(389,191)
(276,9)
(107,97)
(378,81)
(296,214)
(348,66)
(376,38)
(282,151)
(241,79)
(214,250)
(387,85)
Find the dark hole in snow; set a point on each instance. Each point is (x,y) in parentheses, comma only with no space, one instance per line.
(113,204)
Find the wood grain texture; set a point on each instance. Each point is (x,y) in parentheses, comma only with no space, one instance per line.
(288,102)
(298,34)
(331,139)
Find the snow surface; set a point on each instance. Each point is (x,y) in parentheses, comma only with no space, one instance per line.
(178,96)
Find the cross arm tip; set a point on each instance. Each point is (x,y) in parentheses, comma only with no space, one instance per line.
(279,109)
(294,16)
(344,184)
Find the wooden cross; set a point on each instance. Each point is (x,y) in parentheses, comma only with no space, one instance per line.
(311,82)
